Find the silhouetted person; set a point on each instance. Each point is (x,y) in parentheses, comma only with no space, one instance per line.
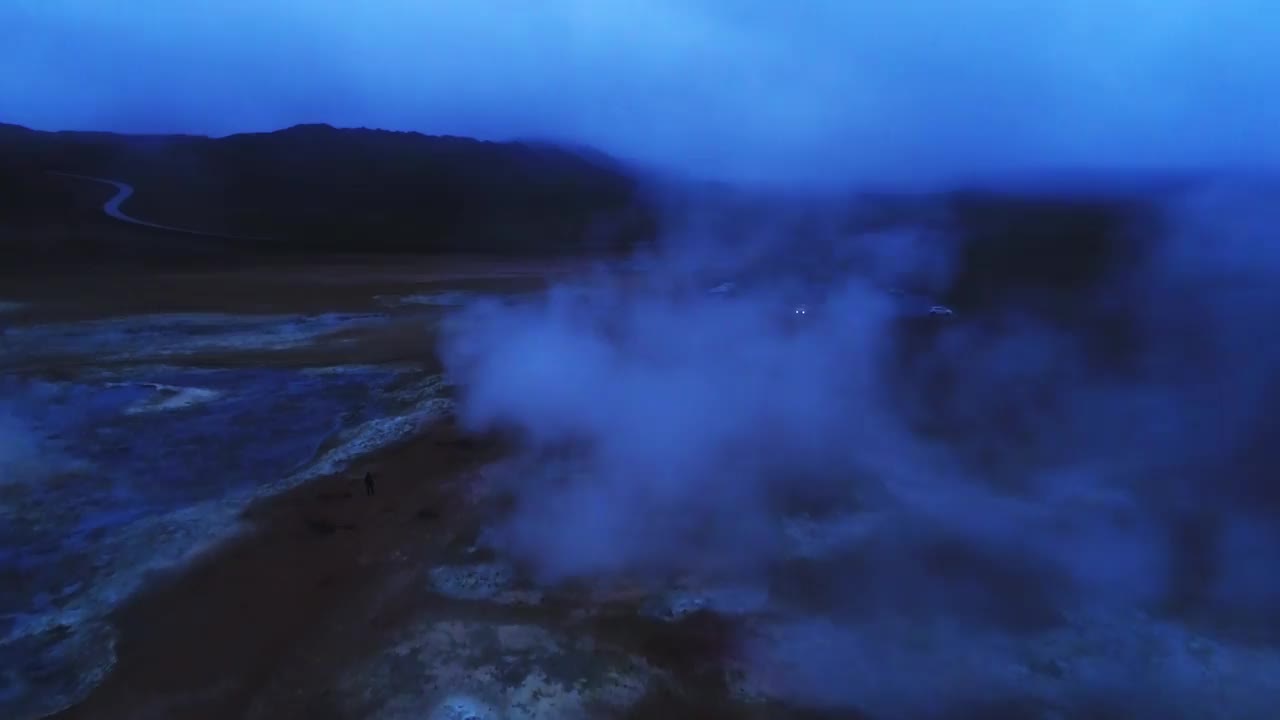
(368,483)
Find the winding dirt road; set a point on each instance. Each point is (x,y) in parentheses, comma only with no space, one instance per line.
(124,191)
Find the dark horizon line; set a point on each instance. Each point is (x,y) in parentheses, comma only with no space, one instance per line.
(1070,175)
(301,125)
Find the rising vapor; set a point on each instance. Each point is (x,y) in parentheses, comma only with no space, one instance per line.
(1001,474)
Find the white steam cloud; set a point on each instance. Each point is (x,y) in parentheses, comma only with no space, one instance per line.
(989,476)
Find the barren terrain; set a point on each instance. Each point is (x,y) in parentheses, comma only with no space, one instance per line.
(191,538)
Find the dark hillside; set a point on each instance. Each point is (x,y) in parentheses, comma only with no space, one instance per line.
(318,188)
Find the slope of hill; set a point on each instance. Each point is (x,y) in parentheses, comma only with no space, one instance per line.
(316,187)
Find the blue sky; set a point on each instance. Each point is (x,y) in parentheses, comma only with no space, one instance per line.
(823,89)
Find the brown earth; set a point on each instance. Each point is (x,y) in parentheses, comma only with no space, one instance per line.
(295,616)
(204,642)
(275,622)
(332,284)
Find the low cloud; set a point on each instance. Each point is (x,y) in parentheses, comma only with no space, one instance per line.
(821,92)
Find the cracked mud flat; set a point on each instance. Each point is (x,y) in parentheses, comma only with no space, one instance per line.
(320,602)
(693,649)
(142,417)
(433,625)
(450,629)
(126,466)
(442,629)
(153,480)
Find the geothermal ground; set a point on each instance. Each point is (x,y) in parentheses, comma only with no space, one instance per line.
(186,535)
